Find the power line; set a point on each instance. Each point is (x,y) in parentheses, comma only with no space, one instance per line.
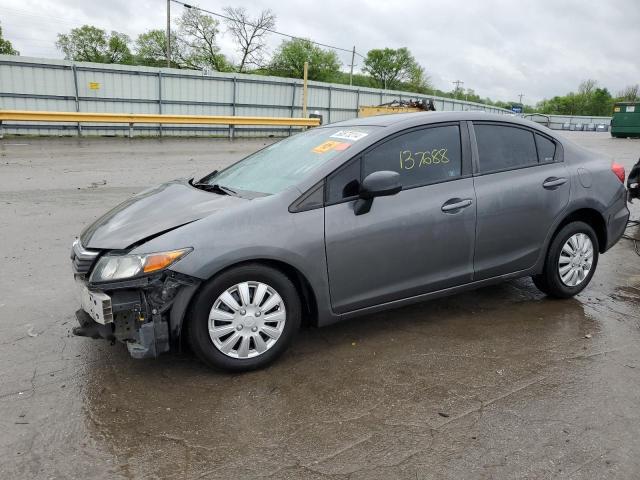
(294,37)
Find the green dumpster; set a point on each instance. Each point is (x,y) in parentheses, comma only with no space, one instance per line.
(626,119)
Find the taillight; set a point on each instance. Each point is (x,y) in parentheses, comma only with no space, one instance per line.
(618,170)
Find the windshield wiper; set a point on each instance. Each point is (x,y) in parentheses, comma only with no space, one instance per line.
(216,188)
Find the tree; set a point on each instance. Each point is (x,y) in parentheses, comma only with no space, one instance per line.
(249,34)
(389,68)
(630,93)
(288,61)
(5,46)
(197,43)
(419,81)
(590,100)
(601,103)
(92,44)
(587,87)
(118,49)
(151,49)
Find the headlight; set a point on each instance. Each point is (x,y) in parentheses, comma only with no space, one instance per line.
(118,267)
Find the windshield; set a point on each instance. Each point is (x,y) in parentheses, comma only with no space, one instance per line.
(285,163)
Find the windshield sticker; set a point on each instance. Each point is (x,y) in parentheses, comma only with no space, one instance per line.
(352,135)
(326,146)
(341,146)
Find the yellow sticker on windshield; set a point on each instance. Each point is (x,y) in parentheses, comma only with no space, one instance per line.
(326,146)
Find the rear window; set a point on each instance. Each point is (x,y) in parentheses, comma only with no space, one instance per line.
(504,148)
(546,149)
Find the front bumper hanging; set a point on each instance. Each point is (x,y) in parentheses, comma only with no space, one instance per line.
(146,314)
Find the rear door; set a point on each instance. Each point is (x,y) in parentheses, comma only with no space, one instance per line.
(416,241)
(522,187)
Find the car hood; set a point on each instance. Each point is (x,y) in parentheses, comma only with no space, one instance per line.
(153,212)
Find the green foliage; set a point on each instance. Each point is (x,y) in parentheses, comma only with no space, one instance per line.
(151,49)
(288,61)
(590,100)
(92,44)
(5,46)
(391,69)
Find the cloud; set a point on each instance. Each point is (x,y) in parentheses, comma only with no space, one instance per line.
(498,48)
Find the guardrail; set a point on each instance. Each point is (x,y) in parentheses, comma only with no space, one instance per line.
(570,122)
(132,118)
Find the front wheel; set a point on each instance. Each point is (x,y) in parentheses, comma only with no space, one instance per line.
(244,318)
(571,261)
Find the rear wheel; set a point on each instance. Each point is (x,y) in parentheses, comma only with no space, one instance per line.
(244,318)
(571,261)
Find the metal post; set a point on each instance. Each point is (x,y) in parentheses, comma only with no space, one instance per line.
(75,84)
(304,89)
(160,99)
(380,97)
(353,59)
(293,104)
(329,115)
(131,130)
(168,33)
(233,109)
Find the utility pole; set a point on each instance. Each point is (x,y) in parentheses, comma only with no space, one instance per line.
(168,33)
(520,96)
(457,83)
(353,58)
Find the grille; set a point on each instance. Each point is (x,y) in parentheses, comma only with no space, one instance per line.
(82,259)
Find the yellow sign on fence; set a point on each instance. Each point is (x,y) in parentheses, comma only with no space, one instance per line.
(94,85)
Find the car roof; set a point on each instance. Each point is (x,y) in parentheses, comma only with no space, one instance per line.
(405,120)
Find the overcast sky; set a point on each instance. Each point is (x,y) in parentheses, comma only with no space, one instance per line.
(499,48)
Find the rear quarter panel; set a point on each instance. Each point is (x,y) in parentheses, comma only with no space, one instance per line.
(595,186)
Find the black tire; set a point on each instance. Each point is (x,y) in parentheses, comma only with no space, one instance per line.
(198,328)
(540,282)
(549,281)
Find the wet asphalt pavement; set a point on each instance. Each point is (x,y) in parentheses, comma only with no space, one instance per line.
(499,383)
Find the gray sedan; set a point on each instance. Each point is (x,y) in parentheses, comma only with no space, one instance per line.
(341,221)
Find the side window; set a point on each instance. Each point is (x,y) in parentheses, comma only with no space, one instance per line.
(546,149)
(502,148)
(420,157)
(344,183)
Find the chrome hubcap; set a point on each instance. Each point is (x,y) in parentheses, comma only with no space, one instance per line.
(247,319)
(576,260)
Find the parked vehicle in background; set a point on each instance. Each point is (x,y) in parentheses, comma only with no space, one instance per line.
(626,119)
(344,220)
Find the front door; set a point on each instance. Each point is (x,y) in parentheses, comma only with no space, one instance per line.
(417,241)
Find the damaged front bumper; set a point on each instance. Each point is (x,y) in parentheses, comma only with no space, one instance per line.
(145,313)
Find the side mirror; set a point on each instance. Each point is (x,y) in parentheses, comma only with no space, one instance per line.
(377,184)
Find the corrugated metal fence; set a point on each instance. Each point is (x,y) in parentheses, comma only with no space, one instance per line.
(59,85)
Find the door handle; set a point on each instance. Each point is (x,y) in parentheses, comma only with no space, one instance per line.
(456,204)
(553,182)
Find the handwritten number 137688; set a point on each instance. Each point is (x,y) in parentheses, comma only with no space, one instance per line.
(409,159)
